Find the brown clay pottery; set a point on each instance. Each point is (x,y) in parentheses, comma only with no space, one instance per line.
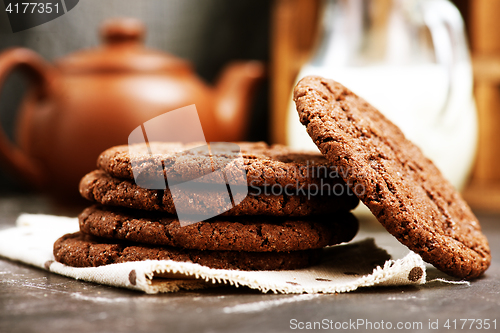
(92,100)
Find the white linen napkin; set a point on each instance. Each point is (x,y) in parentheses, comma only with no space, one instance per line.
(343,268)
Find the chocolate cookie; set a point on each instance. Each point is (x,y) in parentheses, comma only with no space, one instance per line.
(100,187)
(79,250)
(403,189)
(260,234)
(264,165)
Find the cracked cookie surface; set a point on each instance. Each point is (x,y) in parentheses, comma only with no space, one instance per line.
(257,234)
(80,250)
(100,187)
(264,165)
(403,189)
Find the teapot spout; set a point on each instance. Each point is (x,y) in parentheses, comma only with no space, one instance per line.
(235,90)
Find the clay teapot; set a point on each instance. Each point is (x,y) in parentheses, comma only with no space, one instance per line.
(91,100)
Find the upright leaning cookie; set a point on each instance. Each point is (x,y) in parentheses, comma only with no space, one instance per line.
(403,189)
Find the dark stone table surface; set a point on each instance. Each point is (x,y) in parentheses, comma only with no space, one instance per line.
(33,300)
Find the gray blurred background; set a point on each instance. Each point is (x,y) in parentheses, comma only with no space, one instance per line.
(209,33)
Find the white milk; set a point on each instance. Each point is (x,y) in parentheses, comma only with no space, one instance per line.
(415,99)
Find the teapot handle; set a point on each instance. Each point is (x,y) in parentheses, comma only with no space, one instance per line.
(38,73)
(447,32)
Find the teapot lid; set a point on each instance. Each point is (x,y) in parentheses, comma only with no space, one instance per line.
(123,51)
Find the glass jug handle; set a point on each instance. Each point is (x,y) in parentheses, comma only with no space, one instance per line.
(448,36)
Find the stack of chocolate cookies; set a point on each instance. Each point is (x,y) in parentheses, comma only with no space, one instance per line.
(294,204)
(363,152)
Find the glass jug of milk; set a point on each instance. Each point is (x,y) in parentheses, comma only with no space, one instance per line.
(410,59)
